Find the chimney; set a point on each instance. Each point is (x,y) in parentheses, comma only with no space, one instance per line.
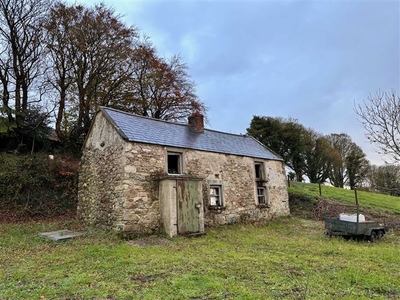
(196,121)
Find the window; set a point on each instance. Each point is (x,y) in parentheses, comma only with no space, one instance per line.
(259,169)
(174,163)
(261,196)
(261,199)
(215,195)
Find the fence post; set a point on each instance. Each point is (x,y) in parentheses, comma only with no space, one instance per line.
(358,207)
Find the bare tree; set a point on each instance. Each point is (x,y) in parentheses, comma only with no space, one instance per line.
(160,88)
(21,53)
(21,37)
(59,77)
(91,50)
(387,179)
(380,117)
(384,179)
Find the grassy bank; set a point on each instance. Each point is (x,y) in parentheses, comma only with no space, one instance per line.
(387,203)
(289,258)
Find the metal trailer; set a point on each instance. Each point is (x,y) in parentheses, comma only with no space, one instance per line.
(371,230)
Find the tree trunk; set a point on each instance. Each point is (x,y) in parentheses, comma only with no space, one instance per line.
(299,176)
(61,110)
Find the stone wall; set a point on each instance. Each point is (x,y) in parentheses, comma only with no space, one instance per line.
(236,175)
(119,189)
(100,190)
(141,208)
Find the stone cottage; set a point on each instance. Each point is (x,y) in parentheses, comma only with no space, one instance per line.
(144,175)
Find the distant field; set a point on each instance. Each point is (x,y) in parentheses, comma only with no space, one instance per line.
(365,199)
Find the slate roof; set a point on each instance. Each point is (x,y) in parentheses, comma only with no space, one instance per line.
(141,129)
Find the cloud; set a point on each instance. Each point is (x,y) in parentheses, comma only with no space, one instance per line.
(308,60)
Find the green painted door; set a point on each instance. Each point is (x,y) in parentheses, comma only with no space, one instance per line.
(188,206)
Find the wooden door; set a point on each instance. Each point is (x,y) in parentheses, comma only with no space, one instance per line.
(188,206)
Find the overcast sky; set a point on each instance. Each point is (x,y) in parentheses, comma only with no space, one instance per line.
(309,60)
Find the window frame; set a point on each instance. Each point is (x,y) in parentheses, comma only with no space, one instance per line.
(259,165)
(261,190)
(262,195)
(179,166)
(220,196)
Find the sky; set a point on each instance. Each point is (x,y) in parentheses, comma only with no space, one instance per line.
(308,60)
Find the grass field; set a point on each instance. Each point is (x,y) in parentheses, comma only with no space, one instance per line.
(288,258)
(365,199)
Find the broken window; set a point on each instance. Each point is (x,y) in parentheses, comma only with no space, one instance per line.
(260,183)
(261,196)
(174,163)
(259,169)
(216,195)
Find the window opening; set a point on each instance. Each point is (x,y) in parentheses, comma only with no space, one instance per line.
(215,195)
(174,163)
(259,171)
(261,196)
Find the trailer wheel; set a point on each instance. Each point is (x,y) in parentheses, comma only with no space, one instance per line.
(373,237)
(380,234)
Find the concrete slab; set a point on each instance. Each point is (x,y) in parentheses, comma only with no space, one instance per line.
(61,235)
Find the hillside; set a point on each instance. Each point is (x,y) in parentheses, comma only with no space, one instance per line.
(305,202)
(43,186)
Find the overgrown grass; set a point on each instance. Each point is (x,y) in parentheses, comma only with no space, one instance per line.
(366,199)
(288,258)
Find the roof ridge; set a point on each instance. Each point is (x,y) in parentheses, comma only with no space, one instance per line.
(142,129)
(140,116)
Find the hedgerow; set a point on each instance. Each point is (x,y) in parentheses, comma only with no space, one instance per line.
(38,185)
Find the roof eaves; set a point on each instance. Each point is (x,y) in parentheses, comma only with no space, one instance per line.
(273,152)
(207,150)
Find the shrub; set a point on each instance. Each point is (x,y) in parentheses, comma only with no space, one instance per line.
(36,185)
